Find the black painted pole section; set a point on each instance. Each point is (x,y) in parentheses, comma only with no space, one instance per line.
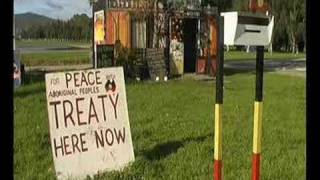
(259,73)
(217,166)
(220,58)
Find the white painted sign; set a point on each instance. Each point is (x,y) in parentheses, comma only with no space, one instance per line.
(89,123)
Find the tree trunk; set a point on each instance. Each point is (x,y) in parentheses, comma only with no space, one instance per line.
(293,43)
(270,48)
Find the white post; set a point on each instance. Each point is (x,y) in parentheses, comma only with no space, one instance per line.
(95,56)
(199,36)
(14,33)
(270,48)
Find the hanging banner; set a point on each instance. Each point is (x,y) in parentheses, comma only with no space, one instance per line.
(176,47)
(118,27)
(89,122)
(99,27)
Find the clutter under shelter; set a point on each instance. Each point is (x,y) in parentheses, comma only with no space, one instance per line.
(164,38)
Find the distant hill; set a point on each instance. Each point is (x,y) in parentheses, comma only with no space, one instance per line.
(35,26)
(29,19)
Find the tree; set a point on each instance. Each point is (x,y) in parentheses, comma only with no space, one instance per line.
(289,23)
(240,5)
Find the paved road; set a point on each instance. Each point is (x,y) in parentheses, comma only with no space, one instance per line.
(51,49)
(293,67)
(284,66)
(58,68)
(273,65)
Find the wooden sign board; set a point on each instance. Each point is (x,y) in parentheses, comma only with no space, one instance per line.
(89,123)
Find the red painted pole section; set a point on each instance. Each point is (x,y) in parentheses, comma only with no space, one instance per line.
(217,170)
(256,167)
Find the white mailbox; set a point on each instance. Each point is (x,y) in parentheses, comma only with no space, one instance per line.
(245,28)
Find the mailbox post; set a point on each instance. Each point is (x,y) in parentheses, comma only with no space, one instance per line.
(243,28)
(257,121)
(218,105)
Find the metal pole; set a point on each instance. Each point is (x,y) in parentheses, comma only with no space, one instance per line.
(168,39)
(14,34)
(93,39)
(219,102)
(257,124)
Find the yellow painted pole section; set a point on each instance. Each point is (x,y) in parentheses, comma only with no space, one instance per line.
(218,132)
(257,127)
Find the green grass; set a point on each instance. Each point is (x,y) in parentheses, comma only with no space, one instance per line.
(241,55)
(172,127)
(56,58)
(51,43)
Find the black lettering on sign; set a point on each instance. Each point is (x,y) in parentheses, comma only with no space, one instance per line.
(77,144)
(99,139)
(68,79)
(55,103)
(75,78)
(69,114)
(91,106)
(74,140)
(90,82)
(98,81)
(83,79)
(120,135)
(83,142)
(56,147)
(66,144)
(103,108)
(108,137)
(79,112)
(114,104)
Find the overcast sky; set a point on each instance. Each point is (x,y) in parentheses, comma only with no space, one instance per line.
(62,9)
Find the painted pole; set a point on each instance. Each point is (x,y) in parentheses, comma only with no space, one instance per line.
(218,105)
(257,122)
(93,36)
(14,34)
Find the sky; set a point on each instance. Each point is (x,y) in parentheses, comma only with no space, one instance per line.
(58,9)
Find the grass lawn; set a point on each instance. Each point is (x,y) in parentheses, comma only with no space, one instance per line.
(56,58)
(172,126)
(51,43)
(242,55)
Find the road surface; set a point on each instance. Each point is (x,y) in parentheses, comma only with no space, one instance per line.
(291,67)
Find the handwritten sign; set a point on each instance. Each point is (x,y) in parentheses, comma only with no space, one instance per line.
(89,123)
